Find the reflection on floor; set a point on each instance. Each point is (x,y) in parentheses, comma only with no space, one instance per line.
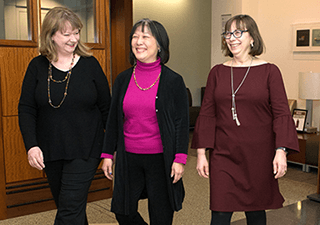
(301,213)
(305,212)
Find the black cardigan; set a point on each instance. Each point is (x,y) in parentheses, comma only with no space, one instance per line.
(76,129)
(173,119)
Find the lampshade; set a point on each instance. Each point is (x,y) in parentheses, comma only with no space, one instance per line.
(309,85)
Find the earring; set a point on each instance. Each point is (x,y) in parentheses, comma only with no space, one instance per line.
(251,45)
(159,50)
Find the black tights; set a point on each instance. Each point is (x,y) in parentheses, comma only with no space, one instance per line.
(253,218)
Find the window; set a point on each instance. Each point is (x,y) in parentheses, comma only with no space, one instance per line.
(84,9)
(14,20)
(20,20)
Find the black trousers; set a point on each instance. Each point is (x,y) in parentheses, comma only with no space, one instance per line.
(253,218)
(69,182)
(147,176)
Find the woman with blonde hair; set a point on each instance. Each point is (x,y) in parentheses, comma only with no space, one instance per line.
(63,109)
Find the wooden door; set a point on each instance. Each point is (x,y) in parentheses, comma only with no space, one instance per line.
(23,189)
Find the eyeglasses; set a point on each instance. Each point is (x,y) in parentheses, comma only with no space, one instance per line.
(236,34)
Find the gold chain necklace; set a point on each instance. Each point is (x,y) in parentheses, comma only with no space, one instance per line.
(135,80)
(67,78)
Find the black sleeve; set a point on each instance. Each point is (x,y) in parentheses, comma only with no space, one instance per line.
(102,85)
(27,108)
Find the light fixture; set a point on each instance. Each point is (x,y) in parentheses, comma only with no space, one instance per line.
(309,89)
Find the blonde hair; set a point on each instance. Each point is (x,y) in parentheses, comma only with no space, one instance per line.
(54,21)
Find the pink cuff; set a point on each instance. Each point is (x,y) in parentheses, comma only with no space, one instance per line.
(181,158)
(105,155)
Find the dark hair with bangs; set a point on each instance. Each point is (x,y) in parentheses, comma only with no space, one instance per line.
(158,32)
(245,22)
(55,20)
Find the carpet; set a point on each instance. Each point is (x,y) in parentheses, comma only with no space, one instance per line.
(295,186)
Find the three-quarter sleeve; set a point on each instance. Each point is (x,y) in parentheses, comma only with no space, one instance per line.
(283,124)
(205,128)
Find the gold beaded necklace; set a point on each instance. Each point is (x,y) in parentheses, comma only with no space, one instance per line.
(135,80)
(66,78)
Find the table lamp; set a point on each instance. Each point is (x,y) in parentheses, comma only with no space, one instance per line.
(309,89)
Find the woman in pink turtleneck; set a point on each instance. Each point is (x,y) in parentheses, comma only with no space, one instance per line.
(148,127)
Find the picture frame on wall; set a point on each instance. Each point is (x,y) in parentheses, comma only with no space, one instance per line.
(306,37)
(303,38)
(299,117)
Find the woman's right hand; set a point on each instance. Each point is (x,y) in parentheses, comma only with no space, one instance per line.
(35,158)
(202,163)
(107,168)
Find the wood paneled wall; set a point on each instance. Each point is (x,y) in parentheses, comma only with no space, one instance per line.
(13,64)
(23,189)
(121,25)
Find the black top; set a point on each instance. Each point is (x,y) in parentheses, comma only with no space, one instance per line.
(76,129)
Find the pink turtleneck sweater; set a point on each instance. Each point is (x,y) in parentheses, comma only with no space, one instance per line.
(141,129)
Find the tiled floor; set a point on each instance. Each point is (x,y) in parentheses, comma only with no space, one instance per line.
(302,213)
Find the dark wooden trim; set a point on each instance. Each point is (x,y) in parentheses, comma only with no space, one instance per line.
(100,22)
(3,196)
(18,43)
(121,25)
(100,26)
(33,20)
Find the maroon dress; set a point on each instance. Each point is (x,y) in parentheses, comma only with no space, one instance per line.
(241,169)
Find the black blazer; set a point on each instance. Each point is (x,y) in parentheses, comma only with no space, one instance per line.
(173,119)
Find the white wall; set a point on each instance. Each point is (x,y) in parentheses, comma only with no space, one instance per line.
(188,23)
(275,19)
(219,8)
(2,30)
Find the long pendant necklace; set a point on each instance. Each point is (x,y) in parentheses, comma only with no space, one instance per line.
(233,102)
(66,78)
(135,80)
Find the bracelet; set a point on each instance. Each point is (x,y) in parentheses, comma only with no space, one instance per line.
(283,149)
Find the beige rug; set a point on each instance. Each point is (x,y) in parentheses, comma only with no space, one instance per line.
(295,186)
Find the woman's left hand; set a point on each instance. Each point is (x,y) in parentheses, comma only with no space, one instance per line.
(280,164)
(177,171)
(107,168)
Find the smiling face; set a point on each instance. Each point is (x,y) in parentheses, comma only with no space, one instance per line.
(144,45)
(66,39)
(239,47)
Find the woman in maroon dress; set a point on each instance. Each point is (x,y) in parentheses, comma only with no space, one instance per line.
(246,124)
